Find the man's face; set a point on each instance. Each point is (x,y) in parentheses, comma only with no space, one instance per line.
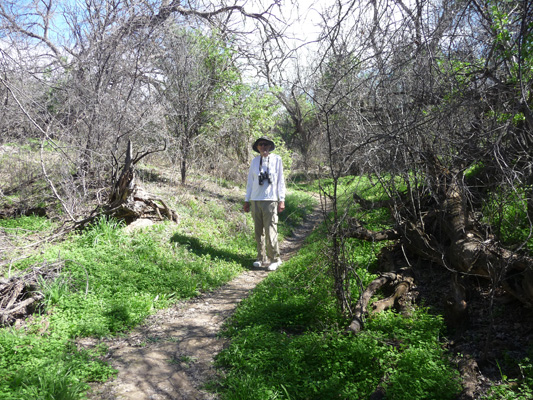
(264,148)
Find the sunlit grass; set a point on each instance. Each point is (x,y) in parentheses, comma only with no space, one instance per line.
(288,339)
(507,213)
(112,280)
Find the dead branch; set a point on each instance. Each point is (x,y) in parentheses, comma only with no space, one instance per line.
(402,281)
(128,201)
(18,293)
(468,368)
(357,231)
(400,289)
(361,306)
(45,136)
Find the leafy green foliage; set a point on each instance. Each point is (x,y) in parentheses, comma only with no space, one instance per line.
(46,367)
(515,389)
(507,213)
(288,339)
(502,15)
(23,224)
(112,280)
(289,331)
(474,170)
(420,364)
(120,279)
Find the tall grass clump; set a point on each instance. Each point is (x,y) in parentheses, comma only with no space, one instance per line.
(288,339)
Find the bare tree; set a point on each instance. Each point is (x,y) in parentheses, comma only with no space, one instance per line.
(432,94)
(93,86)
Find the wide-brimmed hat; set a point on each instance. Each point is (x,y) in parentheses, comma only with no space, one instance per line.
(263,139)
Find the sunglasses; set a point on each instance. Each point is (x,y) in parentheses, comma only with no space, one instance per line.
(263,144)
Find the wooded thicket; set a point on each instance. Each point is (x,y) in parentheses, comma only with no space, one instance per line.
(432,99)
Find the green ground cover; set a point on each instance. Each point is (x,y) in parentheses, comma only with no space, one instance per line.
(288,339)
(112,280)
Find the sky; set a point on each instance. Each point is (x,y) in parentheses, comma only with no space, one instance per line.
(303,14)
(302,22)
(303,17)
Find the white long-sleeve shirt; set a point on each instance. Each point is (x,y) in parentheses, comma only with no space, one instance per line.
(274,191)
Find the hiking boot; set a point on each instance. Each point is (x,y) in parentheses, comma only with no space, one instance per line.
(274,266)
(257,264)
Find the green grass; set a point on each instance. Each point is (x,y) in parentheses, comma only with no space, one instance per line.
(288,340)
(368,187)
(34,366)
(26,224)
(506,212)
(298,204)
(20,235)
(111,281)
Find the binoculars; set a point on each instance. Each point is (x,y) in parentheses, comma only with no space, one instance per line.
(264,176)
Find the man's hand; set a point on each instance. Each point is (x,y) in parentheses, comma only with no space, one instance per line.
(246,207)
(281,206)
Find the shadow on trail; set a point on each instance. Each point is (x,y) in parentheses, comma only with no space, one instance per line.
(201,249)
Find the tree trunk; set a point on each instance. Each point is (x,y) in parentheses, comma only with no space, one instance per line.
(185,150)
(128,201)
(448,237)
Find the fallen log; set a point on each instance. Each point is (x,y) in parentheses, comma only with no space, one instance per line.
(361,307)
(449,238)
(441,229)
(400,289)
(468,369)
(463,249)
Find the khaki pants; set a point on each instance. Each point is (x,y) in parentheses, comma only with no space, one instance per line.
(265,215)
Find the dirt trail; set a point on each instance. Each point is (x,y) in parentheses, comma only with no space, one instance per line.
(171,356)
